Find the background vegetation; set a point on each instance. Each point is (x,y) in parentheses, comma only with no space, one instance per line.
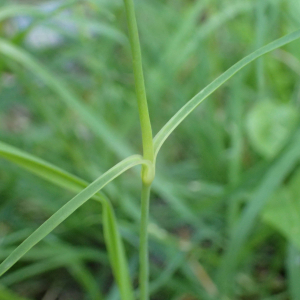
(225,208)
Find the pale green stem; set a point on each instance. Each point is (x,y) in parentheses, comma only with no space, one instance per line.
(148,173)
(144,259)
(139,81)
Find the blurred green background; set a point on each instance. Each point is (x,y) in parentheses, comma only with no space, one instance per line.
(225,208)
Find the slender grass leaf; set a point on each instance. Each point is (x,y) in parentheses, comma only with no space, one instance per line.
(70,182)
(164,133)
(43,169)
(69,208)
(116,252)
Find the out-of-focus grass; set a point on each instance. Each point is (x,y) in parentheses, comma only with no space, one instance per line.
(214,173)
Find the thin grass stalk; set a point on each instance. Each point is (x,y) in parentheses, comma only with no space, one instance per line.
(139,81)
(144,255)
(148,149)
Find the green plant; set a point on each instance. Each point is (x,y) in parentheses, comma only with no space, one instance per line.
(150,150)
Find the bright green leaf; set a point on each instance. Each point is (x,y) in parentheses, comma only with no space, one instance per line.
(180,116)
(42,168)
(69,208)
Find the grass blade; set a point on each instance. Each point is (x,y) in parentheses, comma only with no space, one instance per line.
(68,209)
(71,182)
(171,125)
(116,252)
(43,169)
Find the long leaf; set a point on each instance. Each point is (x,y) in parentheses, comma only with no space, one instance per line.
(70,182)
(116,252)
(171,125)
(43,169)
(68,209)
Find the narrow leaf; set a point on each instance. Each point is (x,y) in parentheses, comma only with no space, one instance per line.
(66,180)
(43,169)
(116,252)
(171,125)
(68,209)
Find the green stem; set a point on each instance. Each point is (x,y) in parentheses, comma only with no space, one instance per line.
(144,259)
(148,173)
(139,81)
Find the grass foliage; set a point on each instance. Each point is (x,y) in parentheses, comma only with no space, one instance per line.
(223,218)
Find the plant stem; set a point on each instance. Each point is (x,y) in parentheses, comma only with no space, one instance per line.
(139,81)
(148,149)
(144,259)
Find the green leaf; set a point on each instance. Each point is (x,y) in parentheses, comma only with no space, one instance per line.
(269,125)
(43,169)
(69,208)
(171,125)
(116,252)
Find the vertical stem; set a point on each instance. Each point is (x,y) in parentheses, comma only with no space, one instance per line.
(139,81)
(148,150)
(144,259)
